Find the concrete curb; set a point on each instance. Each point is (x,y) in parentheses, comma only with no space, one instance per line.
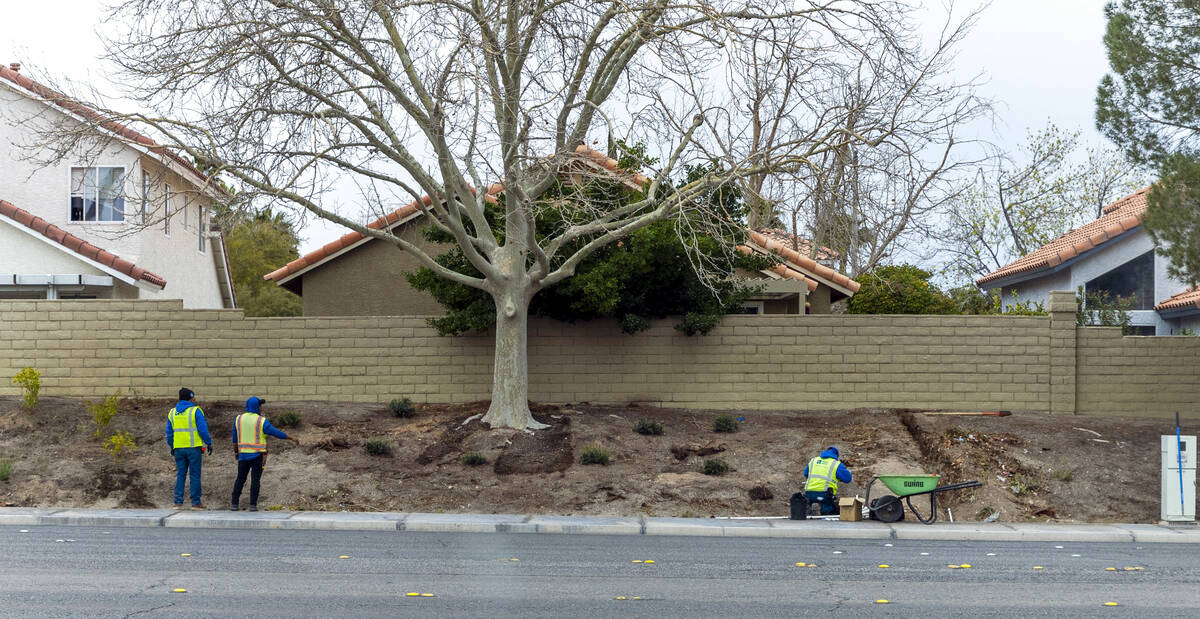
(601,525)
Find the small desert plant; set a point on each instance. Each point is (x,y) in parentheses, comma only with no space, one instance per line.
(120,444)
(725,423)
(715,467)
(1064,475)
(594,454)
(473,458)
(984,512)
(30,381)
(379,447)
(401,407)
(645,426)
(288,419)
(103,412)
(6,466)
(1022,484)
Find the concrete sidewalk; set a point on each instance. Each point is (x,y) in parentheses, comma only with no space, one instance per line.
(516,523)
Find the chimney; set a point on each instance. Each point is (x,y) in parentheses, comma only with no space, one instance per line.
(16,67)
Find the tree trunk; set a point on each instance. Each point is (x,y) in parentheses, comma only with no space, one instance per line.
(510,375)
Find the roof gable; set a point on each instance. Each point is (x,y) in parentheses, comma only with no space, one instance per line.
(1118,218)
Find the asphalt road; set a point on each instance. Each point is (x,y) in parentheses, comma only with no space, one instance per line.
(125,572)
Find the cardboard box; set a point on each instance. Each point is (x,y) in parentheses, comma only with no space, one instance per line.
(850,509)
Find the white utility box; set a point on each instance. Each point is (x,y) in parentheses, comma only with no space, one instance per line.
(1174,510)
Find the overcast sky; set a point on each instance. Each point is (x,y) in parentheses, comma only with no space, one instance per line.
(1041,61)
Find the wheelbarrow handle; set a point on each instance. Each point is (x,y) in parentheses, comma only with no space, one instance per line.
(958,486)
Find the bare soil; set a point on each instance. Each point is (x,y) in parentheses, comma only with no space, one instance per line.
(1033,467)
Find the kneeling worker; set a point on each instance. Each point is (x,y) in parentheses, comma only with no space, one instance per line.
(249,436)
(823,473)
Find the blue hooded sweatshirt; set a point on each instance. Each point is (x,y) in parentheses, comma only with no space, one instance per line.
(254,405)
(843,473)
(201,425)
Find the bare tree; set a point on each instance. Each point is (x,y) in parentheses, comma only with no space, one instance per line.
(864,202)
(1018,202)
(428,100)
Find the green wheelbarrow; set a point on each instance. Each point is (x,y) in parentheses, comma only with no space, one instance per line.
(888,508)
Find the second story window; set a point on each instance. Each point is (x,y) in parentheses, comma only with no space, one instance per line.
(98,193)
(145,197)
(201,228)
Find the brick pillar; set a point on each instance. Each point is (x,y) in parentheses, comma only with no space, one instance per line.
(1062,309)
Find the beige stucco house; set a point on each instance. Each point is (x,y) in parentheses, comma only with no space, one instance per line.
(118,217)
(358,275)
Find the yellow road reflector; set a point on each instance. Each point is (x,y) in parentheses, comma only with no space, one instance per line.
(965,566)
(882,602)
(426,595)
(344,556)
(186,554)
(621,597)
(884,565)
(179,590)
(514,559)
(811,565)
(1110,569)
(637,560)
(637,597)
(953,567)
(801,564)
(1134,569)
(412,594)
(649,560)
(1110,603)
(1038,567)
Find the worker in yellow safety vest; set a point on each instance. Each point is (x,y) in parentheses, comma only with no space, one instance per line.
(250,431)
(823,473)
(187,434)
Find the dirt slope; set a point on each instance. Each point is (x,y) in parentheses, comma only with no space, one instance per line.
(1033,466)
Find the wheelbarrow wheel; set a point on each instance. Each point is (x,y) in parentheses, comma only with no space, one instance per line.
(887,508)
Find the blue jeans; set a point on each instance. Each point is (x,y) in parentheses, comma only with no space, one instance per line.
(827,499)
(187,458)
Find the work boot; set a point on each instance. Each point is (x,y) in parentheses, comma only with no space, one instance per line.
(179,506)
(199,507)
(233,508)
(253,508)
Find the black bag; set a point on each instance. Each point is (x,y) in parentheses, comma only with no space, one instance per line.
(799,504)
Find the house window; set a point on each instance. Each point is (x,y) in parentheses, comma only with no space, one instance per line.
(200,230)
(1132,279)
(752,308)
(145,197)
(98,194)
(167,210)
(185,216)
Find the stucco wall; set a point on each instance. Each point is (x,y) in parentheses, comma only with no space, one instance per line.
(369,281)
(44,190)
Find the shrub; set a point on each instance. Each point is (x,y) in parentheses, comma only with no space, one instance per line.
(6,466)
(899,289)
(594,454)
(120,444)
(401,407)
(645,426)
(1064,475)
(288,419)
(725,423)
(30,381)
(1097,308)
(473,458)
(379,447)
(715,467)
(103,412)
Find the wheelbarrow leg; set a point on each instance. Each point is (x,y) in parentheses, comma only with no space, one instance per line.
(933,516)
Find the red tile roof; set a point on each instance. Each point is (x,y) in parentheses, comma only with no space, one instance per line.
(805,263)
(78,245)
(797,243)
(75,107)
(1184,300)
(1119,217)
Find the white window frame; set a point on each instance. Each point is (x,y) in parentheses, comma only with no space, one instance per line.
(145,196)
(201,230)
(71,193)
(166,209)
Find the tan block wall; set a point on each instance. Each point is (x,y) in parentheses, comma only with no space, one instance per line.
(151,348)
(1141,376)
(91,348)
